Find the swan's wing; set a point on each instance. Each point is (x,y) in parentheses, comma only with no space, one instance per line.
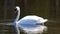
(27,23)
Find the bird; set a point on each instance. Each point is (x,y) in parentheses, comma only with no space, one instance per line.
(30,24)
(15,24)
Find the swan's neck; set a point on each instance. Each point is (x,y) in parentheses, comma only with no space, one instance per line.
(17,18)
(16,21)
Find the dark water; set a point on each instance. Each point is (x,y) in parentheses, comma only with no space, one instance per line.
(53,28)
(6,28)
(45,8)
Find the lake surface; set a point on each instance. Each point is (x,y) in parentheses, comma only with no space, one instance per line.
(7,28)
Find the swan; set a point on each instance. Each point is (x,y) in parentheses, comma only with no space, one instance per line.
(16,20)
(30,24)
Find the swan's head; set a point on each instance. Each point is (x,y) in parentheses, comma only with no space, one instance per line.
(17,10)
(17,7)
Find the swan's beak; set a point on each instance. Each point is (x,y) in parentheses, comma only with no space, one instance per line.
(15,10)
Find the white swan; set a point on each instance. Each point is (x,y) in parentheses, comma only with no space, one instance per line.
(30,24)
(17,19)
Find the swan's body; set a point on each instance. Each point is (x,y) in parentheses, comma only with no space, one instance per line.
(30,24)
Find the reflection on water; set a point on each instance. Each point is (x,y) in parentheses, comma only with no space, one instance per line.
(7,28)
(53,28)
(45,8)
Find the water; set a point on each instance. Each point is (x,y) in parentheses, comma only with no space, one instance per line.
(7,28)
(53,28)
